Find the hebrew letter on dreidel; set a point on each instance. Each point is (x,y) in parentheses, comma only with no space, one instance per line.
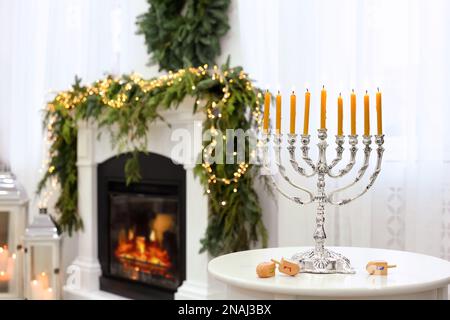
(379,268)
(288,267)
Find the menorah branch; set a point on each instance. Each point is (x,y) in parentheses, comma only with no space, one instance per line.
(339,152)
(282,171)
(353,141)
(305,151)
(305,139)
(278,138)
(379,140)
(367,141)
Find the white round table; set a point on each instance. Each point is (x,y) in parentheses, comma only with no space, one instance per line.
(417,276)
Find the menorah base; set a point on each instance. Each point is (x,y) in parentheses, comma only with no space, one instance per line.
(325,262)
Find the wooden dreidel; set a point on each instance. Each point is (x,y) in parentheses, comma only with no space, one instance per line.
(266,270)
(379,268)
(288,267)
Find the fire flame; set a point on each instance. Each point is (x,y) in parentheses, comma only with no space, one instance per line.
(139,254)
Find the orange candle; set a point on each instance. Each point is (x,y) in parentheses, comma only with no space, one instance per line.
(307,106)
(353,112)
(293,111)
(323,108)
(340,115)
(379,114)
(278,122)
(366,115)
(267,98)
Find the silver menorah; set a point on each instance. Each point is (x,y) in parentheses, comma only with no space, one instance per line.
(320,259)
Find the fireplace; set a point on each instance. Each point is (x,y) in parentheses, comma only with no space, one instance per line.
(141,228)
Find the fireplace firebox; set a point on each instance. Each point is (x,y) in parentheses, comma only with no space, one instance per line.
(142,228)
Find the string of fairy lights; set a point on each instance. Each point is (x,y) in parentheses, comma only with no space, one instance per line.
(102,88)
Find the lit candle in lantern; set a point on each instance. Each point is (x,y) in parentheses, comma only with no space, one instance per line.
(266,111)
(4,255)
(10,269)
(42,278)
(379,114)
(323,108)
(293,111)
(340,115)
(278,122)
(47,294)
(307,106)
(36,290)
(8,273)
(366,114)
(353,112)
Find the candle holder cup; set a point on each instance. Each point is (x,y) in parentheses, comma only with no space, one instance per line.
(319,259)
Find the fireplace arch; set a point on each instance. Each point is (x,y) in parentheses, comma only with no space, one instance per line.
(142,228)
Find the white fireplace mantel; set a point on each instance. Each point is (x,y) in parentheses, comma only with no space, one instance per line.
(93,151)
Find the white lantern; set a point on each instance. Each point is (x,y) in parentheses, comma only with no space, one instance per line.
(13,214)
(42,259)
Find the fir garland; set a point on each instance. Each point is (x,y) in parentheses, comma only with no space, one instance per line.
(184,32)
(128,106)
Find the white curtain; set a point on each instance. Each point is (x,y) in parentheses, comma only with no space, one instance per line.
(400,46)
(45,43)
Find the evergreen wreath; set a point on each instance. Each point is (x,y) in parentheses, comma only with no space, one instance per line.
(181,33)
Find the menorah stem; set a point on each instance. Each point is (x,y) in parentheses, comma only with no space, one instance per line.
(321,197)
(320,235)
